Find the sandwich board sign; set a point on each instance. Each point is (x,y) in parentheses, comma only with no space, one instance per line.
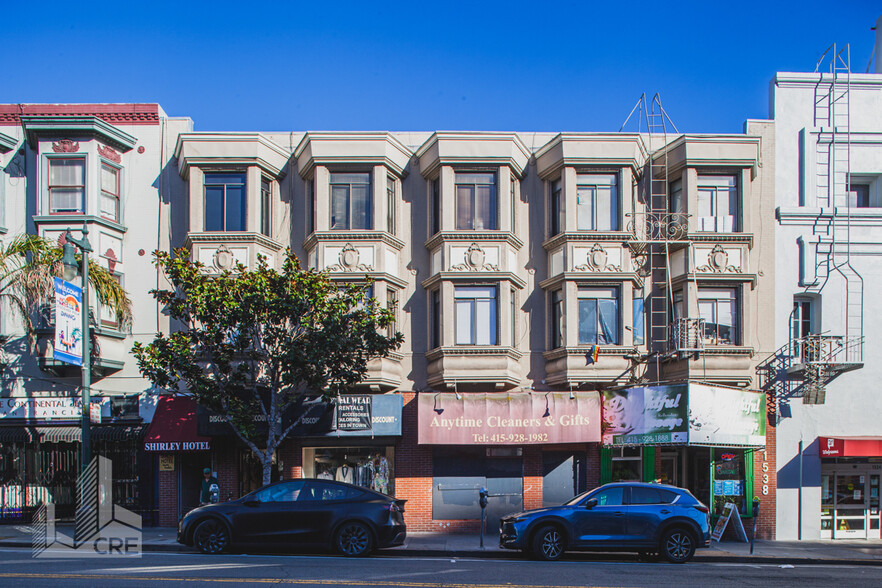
(729,512)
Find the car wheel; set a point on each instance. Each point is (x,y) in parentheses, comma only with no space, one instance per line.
(677,545)
(549,543)
(353,540)
(211,536)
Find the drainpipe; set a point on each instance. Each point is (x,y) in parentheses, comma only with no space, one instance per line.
(799,501)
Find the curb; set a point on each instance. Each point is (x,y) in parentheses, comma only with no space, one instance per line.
(514,555)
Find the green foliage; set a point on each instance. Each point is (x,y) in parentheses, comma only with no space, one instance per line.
(255,342)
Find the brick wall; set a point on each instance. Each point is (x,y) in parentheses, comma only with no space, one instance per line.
(226,466)
(168,497)
(592,466)
(532,477)
(765,463)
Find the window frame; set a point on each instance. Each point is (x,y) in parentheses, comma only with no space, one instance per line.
(492,222)
(436,206)
(593,180)
(863,190)
(103,193)
(435,312)
(460,301)
(734,301)
(556,216)
(392,306)
(310,204)
(369,201)
(391,202)
(706,183)
(115,323)
(266,206)
(244,185)
(557,314)
(583,294)
(82,188)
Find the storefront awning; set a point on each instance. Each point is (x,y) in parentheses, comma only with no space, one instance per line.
(174,427)
(850,446)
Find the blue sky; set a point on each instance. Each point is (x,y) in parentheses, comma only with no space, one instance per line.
(522,66)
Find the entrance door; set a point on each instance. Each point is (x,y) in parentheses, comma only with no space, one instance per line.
(850,515)
(505,484)
(190,479)
(563,476)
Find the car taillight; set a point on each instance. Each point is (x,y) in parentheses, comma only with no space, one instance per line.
(702,508)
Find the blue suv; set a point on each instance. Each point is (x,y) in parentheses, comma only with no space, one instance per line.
(648,519)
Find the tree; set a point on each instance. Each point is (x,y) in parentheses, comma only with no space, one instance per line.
(27,265)
(258,342)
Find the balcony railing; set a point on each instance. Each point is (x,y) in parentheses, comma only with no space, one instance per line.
(687,335)
(833,350)
(658,226)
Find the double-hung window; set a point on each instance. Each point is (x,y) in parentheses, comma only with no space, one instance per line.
(556,319)
(557,219)
(107,314)
(351,202)
(476,310)
(476,208)
(436,205)
(67,185)
(109,192)
(266,210)
(717,204)
(719,309)
(390,205)
(224,202)
(599,316)
(435,312)
(597,202)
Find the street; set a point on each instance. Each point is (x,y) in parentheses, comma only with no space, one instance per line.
(19,568)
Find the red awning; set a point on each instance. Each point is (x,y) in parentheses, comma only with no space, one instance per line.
(173,427)
(850,446)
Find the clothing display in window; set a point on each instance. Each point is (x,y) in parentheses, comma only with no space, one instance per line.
(345,473)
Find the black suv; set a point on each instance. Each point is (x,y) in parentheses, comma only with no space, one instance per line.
(627,516)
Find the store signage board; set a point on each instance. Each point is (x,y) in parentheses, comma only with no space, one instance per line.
(354,413)
(508,419)
(729,512)
(95,414)
(68,323)
(41,409)
(645,415)
(726,416)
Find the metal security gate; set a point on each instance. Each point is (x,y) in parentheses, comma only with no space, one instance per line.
(33,474)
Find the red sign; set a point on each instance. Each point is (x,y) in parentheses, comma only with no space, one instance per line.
(508,419)
(850,446)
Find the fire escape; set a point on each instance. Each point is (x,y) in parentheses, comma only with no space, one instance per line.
(808,362)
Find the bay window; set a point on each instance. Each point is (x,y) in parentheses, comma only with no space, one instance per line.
(719,309)
(717,204)
(265,207)
(557,220)
(476,207)
(109,192)
(351,202)
(475,310)
(224,202)
(597,204)
(599,316)
(67,185)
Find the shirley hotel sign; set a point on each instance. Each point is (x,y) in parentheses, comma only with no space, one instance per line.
(509,419)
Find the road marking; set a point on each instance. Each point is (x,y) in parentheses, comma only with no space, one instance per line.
(172,569)
(318,582)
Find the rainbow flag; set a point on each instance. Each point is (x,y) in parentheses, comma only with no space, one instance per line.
(592,355)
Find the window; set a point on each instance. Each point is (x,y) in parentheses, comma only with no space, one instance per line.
(109,192)
(265,207)
(678,206)
(328,492)
(224,202)
(718,308)
(392,306)
(67,185)
(514,316)
(436,318)
(106,313)
(610,496)
(390,205)
(556,319)
(859,195)
(310,207)
(645,495)
(679,306)
(351,202)
(475,308)
(801,319)
(476,201)
(626,464)
(436,205)
(717,204)
(598,316)
(637,316)
(557,220)
(597,202)
(283,492)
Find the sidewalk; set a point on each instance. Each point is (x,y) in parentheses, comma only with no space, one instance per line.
(459,545)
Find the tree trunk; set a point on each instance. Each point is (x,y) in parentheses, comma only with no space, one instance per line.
(267,460)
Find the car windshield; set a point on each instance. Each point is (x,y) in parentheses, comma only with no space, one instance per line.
(577,499)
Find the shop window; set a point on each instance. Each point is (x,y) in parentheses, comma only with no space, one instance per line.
(224,202)
(597,202)
(598,316)
(110,188)
(476,208)
(351,207)
(557,218)
(365,466)
(627,464)
(719,309)
(67,185)
(717,204)
(475,310)
(729,480)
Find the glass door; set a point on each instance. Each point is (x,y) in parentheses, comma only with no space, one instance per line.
(851,507)
(873,514)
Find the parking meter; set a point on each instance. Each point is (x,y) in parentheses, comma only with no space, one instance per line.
(483,495)
(756,504)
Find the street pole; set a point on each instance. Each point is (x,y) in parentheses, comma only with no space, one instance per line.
(86,368)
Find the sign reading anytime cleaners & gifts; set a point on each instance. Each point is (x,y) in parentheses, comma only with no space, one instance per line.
(509,419)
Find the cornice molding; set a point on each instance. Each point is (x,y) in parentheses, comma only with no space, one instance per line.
(591,278)
(702,151)
(37,127)
(474,236)
(344,237)
(205,150)
(331,149)
(485,148)
(76,220)
(7,143)
(474,278)
(622,237)
(591,150)
(231,237)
